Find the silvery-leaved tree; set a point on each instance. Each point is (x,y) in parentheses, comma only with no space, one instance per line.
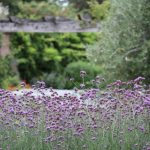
(123,48)
(3,11)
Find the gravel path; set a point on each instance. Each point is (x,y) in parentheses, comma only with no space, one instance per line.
(47,92)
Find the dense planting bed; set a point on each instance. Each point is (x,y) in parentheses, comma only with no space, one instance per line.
(117,119)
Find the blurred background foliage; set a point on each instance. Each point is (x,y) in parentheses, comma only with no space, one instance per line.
(120,51)
(123,48)
(38,54)
(8,75)
(73,69)
(36,10)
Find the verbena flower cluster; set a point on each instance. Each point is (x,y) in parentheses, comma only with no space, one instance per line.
(122,108)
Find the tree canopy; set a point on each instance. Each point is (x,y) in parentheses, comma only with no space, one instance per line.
(124,45)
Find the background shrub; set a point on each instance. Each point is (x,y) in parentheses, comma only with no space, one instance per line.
(8,74)
(73,71)
(52,79)
(37,54)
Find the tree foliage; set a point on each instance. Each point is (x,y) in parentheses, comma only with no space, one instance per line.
(34,10)
(39,53)
(83,4)
(124,45)
(3,11)
(99,11)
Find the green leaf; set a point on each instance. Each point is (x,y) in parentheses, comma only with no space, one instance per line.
(22,60)
(51,54)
